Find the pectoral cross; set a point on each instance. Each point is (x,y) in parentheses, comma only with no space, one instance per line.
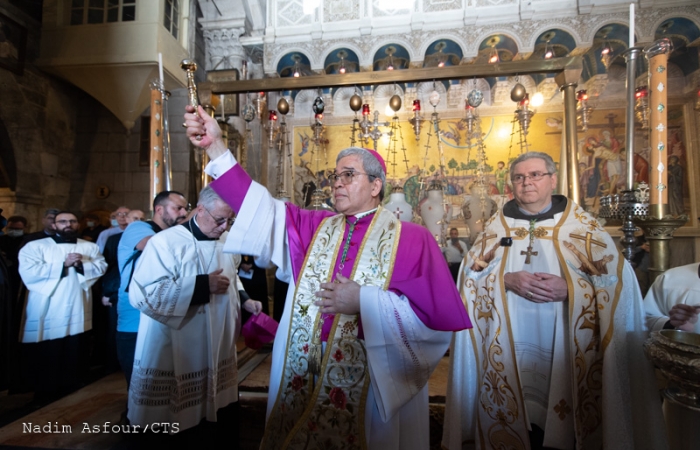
(529,253)
(533,234)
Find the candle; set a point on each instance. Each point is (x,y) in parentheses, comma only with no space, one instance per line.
(657,55)
(160,70)
(221,100)
(631,25)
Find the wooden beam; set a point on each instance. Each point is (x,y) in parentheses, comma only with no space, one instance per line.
(504,69)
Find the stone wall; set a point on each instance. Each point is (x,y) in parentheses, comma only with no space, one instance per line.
(66,144)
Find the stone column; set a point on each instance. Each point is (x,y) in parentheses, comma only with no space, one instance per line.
(224,49)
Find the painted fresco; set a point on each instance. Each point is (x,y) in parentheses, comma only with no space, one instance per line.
(314,163)
(602,165)
(602,159)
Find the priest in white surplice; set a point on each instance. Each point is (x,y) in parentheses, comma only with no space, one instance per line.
(555,357)
(187,289)
(369,310)
(673,301)
(59,272)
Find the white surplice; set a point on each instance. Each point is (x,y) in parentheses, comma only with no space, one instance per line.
(57,306)
(401,351)
(185,365)
(679,285)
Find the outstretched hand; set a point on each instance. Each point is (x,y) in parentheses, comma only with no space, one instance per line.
(340,297)
(204,132)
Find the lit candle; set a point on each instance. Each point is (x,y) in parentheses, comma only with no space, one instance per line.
(631,25)
(160,70)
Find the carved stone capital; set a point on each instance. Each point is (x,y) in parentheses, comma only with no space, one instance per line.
(224,49)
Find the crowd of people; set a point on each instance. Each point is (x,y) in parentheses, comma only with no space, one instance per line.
(542,316)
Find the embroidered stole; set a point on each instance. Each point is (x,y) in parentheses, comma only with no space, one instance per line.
(593,296)
(329,411)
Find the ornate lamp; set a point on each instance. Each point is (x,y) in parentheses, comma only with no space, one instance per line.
(641,106)
(583,109)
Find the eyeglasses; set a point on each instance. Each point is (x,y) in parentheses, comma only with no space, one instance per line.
(221,221)
(346,177)
(71,221)
(122,214)
(534,176)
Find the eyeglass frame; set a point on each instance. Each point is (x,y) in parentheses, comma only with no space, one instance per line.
(534,176)
(229,221)
(346,177)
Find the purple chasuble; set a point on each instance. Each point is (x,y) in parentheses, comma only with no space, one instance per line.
(420,271)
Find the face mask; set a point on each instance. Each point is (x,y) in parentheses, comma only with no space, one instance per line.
(15,233)
(90,224)
(114,223)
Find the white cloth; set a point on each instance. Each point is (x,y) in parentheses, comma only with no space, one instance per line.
(679,285)
(401,351)
(185,365)
(546,369)
(57,306)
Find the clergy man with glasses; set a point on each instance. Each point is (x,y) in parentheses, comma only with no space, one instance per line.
(369,312)
(185,370)
(59,272)
(555,356)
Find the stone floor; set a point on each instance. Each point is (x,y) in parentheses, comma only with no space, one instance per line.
(71,422)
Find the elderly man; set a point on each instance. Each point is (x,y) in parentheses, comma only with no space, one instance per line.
(185,363)
(120,216)
(556,350)
(369,311)
(58,273)
(134,216)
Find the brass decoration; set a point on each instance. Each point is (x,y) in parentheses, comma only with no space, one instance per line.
(283,106)
(395,103)
(677,354)
(355,102)
(190,67)
(659,233)
(518,92)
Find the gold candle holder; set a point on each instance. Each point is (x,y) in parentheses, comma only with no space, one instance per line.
(190,67)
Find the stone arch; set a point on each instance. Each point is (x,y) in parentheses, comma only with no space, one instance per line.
(402,42)
(545,27)
(473,51)
(457,39)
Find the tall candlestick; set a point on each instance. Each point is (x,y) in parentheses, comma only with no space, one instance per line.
(160,71)
(657,55)
(631,41)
